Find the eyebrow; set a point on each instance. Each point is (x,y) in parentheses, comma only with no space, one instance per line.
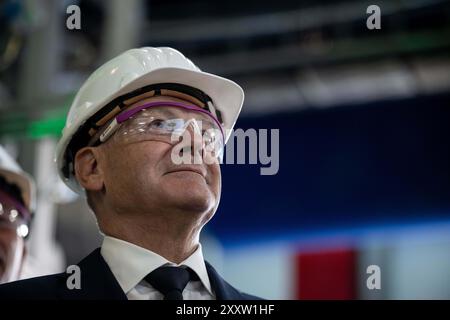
(172,111)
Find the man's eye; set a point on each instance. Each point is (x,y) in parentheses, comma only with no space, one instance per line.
(156,124)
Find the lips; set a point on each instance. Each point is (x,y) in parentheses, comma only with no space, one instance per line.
(201,171)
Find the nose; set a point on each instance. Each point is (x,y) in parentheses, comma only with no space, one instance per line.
(192,141)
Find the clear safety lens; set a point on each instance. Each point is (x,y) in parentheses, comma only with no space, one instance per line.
(164,124)
(11,218)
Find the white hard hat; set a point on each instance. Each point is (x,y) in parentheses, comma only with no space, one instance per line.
(127,74)
(12,173)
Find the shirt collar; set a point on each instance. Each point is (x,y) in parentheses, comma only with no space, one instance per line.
(130,263)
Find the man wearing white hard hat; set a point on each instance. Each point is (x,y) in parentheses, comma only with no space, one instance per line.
(16,206)
(142,141)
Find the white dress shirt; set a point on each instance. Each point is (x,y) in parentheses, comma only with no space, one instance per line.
(130,264)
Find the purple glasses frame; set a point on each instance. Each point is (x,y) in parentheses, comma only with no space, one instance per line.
(127,114)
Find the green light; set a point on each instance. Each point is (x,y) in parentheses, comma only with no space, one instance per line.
(46,127)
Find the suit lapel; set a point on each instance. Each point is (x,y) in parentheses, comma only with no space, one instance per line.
(97,281)
(222,289)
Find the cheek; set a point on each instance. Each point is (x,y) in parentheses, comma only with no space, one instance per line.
(216,179)
(132,168)
(8,239)
(15,259)
(9,244)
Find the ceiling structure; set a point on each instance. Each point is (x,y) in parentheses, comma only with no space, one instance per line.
(288,55)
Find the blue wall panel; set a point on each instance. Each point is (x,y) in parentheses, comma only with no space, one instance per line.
(344,167)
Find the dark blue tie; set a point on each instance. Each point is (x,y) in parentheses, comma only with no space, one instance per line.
(171,281)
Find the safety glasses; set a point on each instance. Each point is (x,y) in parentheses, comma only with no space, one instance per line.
(167,122)
(13,215)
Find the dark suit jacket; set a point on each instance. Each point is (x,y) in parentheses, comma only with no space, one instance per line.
(97,283)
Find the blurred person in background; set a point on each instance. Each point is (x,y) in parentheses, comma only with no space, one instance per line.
(16,198)
(124,136)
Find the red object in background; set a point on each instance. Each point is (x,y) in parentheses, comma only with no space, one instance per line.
(326,274)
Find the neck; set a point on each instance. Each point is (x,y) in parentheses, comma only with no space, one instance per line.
(172,239)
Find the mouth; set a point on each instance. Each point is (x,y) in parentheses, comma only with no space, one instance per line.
(190,169)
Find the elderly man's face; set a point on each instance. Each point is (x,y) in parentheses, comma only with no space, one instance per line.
(142,176)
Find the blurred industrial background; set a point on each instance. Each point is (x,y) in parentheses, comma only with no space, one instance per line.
(364,169)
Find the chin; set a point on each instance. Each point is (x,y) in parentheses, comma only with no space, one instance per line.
(195,202)
(192,199)
(189,191)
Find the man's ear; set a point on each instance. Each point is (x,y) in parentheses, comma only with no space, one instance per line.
(87,170)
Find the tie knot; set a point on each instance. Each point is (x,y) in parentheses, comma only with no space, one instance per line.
(170,281)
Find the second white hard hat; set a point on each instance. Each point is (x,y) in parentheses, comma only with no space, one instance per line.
(11,171)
